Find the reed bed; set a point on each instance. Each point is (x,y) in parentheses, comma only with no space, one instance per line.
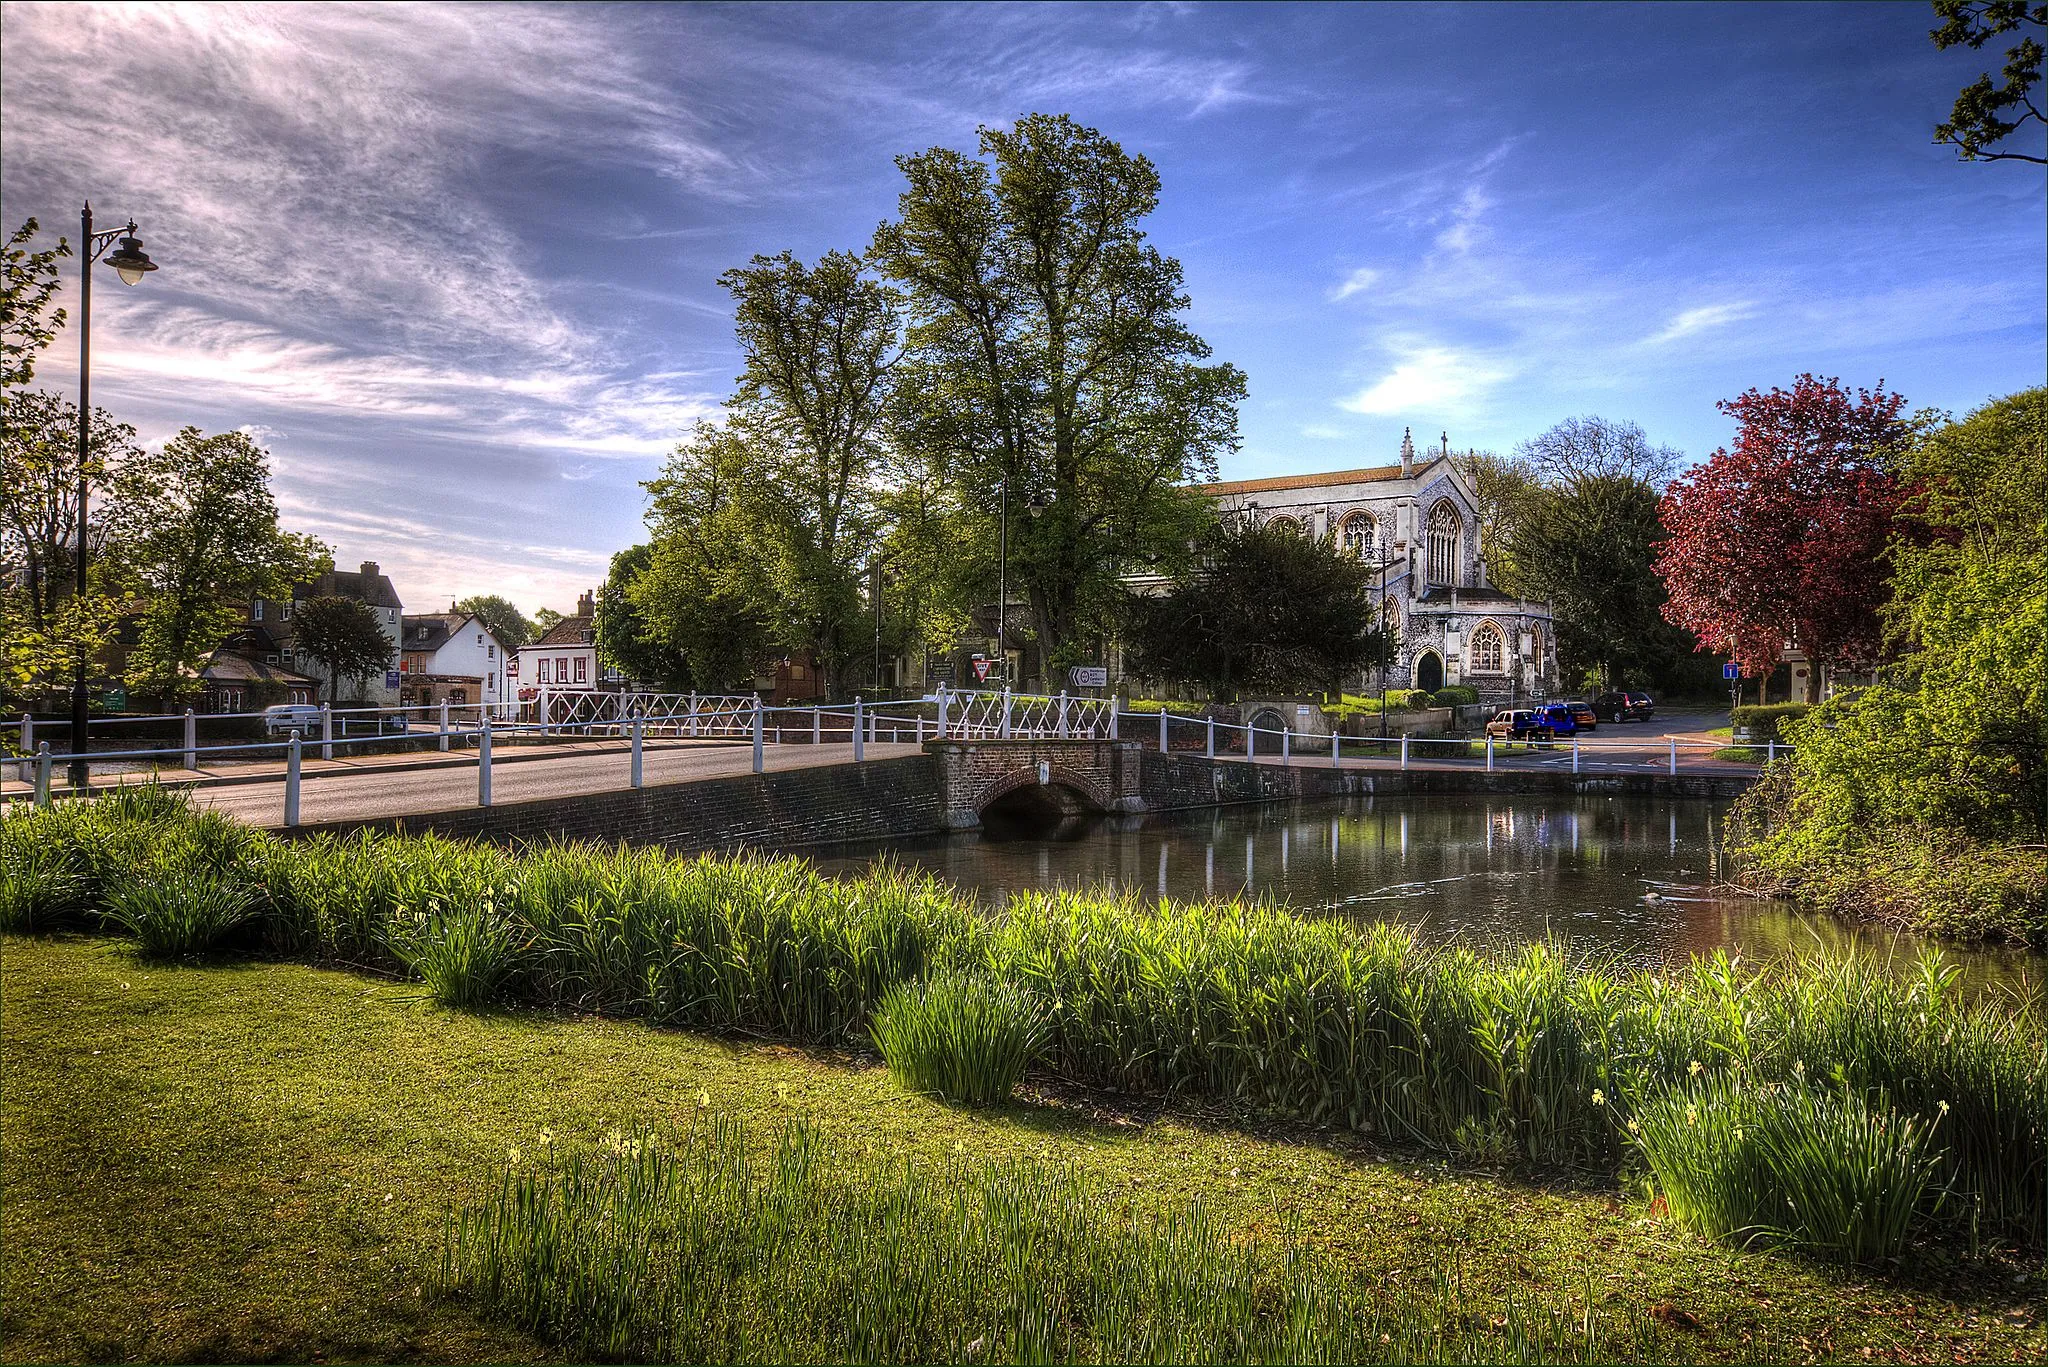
(1531,1057)
(704,1247)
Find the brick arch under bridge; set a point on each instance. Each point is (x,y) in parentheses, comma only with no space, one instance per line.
(1078,775)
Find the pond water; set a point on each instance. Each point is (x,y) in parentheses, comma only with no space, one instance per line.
(1617,877)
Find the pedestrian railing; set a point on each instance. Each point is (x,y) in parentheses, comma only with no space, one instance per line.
(646,721)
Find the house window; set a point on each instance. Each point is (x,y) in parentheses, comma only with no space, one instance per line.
(256,609)
(286,653)
(231,700)
(1361,536)
(541,673)
(458,696)
(581,665)
(1444,531)
(1489,650)
(490,652)
(561,669)
(284,611)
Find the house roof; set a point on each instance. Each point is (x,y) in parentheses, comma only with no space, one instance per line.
(1372,474)
(365,585)
(570,631)
(430,630)
(235,666)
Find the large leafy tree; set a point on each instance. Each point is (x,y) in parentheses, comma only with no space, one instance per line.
(1778,540)
(505,621)
(625,637)
(820,342)
(28,281)
(1261,608)
(704,591)
(343,634)
(1581,531)
(39,493)
(1047,353)
(1986,114)
(197,535)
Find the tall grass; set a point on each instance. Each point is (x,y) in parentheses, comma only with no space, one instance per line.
(707,1249)
(962,1036)
(180,914)
(1529,1057)
(1818,1168)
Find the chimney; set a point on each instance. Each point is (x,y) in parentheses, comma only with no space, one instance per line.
(369,569)
(586,606)
(1407,453)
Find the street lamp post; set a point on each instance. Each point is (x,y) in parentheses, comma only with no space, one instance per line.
(1002,572)
(131,263)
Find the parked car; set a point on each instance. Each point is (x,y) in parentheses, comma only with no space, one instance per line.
(1583,715)
(1623,706)
(287,717)
(1519,724)
(1558,717)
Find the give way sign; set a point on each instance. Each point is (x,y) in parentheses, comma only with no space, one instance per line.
(981,671)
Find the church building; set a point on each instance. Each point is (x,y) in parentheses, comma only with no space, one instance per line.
(1417,522)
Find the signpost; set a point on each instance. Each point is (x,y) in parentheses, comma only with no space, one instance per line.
(981,663)
(1088,676)
(1732,672)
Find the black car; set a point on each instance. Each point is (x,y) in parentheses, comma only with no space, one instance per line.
(1624,706)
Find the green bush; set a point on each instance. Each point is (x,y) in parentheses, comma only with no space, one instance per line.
(176,915)
(1178,709)
(1764,722)
(1407,699)
(1454,695)
(963,1036)
(465,954)
(1816,1168)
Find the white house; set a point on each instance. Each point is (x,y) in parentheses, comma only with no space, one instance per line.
(564,658)
(1418,522)
(452,656)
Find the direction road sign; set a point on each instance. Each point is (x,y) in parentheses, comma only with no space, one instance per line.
(1088,676)
(1731,670)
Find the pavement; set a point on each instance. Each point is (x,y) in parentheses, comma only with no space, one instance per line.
(366,787)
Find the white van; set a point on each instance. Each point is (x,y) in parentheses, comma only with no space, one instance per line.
(287,717)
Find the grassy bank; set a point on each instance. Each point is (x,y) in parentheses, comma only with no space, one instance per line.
(1528,1059)
(256,1160)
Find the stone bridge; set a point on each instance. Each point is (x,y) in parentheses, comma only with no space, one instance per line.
(1036,780)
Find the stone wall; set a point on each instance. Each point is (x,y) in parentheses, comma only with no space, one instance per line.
(1168,782)
(974,773)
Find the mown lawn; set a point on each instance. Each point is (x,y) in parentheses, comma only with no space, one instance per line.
(250,1161)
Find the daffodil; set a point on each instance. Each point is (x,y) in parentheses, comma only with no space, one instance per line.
(1599,1097)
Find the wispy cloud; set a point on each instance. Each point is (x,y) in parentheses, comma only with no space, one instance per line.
(1427,379)
(1702,319)
(1357,282)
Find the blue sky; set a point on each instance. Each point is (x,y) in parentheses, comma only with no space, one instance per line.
(455,266)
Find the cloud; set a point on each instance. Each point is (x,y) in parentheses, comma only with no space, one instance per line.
(1427,378)
(1319,431)
(1465,228)
(1690,321)
(1357,282)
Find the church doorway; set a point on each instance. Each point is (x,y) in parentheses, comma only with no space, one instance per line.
(1429,672)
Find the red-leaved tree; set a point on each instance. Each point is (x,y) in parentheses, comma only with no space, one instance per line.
(1779,540)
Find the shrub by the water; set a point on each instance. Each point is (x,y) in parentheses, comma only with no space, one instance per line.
(464,954)
(1762,721)
(962,1036)
(703,1250)
(1815,1167)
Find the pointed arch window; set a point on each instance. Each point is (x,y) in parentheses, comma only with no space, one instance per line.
(1360,536)
(1445,532)
(1283,523)
(1489,650)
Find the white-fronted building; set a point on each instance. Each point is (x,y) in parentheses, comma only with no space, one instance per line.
(1418,521)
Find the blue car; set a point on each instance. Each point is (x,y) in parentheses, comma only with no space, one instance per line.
(1558,717)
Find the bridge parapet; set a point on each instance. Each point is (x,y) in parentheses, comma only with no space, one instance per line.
(1070,775)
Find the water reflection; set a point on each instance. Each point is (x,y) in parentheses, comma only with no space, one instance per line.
(1623,877)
